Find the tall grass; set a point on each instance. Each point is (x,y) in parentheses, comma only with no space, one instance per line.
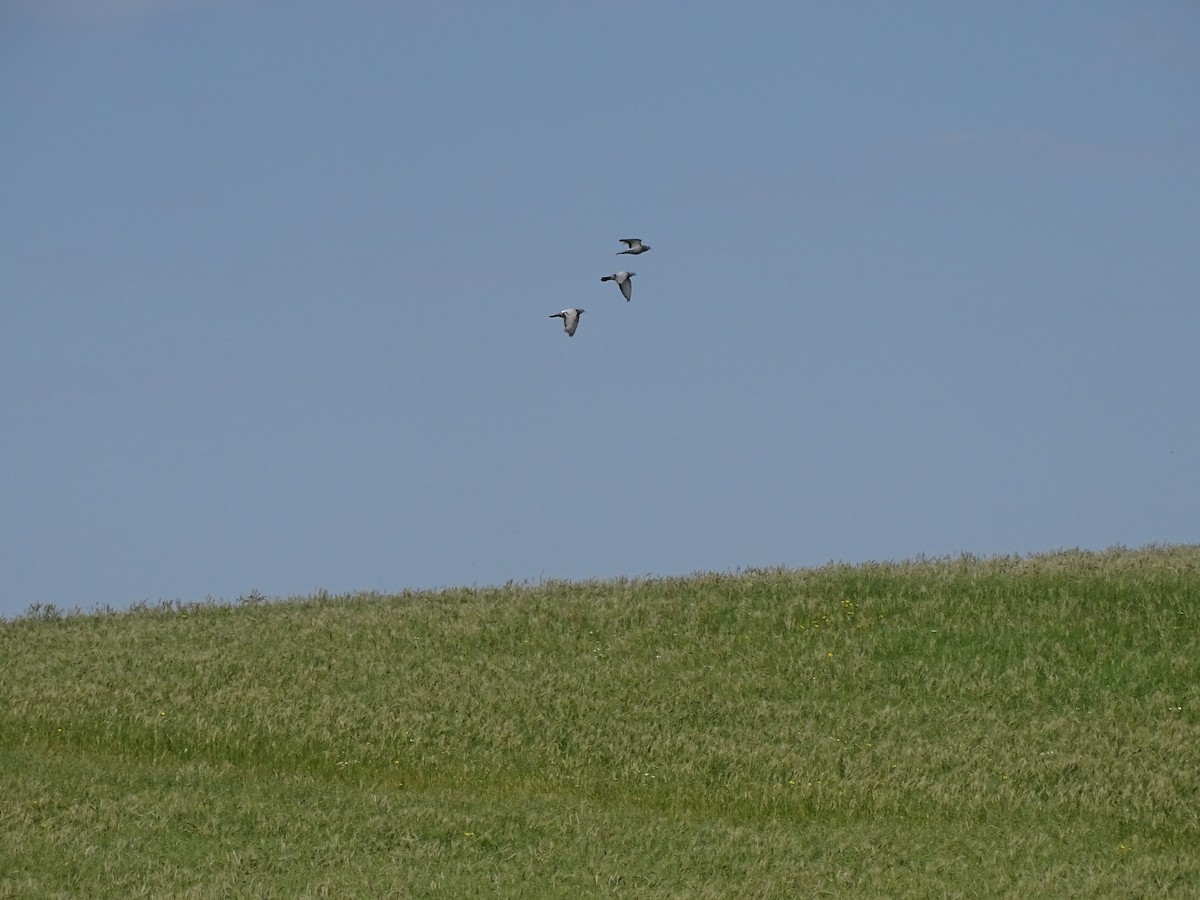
(955,727)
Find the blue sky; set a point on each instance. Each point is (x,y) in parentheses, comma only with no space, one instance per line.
(276,282)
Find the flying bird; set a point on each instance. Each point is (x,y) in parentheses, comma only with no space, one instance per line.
(634,245)
(623,282)
(570,319)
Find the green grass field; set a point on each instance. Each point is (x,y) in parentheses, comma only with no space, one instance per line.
(1020,727)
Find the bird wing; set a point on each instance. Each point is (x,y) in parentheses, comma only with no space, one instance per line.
(627,288)
(631,241)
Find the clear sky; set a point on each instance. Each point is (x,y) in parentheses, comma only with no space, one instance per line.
(275,285)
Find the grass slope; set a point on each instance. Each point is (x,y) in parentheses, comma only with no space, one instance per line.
(1006,727)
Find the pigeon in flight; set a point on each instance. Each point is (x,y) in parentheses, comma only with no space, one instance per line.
(570,319)
(623,282)
(635,246)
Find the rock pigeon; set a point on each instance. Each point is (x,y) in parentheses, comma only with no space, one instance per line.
(570,319)
(623,282)
(635,246)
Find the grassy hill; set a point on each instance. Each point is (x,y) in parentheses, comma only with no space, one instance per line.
(1025,727)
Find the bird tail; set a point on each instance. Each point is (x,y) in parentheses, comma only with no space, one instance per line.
(609,278)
